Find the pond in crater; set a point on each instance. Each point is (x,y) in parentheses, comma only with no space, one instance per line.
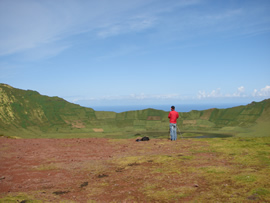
(182,135)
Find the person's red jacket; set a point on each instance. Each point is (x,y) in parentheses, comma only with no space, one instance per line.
(173,115)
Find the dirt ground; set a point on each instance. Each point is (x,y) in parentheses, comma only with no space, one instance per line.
(101,170)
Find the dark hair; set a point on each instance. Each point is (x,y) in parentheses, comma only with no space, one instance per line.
(172,107)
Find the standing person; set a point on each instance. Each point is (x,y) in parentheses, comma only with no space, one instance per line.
(173,116)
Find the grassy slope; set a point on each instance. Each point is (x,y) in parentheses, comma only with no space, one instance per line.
(262,127)
(29,114)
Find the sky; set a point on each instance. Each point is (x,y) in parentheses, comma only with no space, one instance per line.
(139,52)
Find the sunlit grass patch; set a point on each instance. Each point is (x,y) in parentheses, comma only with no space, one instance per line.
(166,169)
(167,164)
(171,158)
(104,184)
(224,188)
(45,167)
(9,136)
(259,195)
(263,157)
(252,176)
(129,160)
(96,167)
(155,192)
(214,169)
(245,178)
(243,166)
(235,184)
(162,158)
(21,197)
(202,150)
(95,190)
(118,141)
(186,157)
(247,151)
(160,165)
(155,159)
(261,192)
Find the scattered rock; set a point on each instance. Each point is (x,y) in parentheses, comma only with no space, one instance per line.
(195,185)
(102,175)
(84,184)
(133,164)
(119,170)
(2,178)
(60,192)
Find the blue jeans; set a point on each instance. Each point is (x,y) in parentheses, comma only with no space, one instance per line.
(173,132)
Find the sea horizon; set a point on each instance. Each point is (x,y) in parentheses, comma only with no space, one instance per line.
(178,108)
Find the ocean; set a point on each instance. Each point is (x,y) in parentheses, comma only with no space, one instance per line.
(179,108)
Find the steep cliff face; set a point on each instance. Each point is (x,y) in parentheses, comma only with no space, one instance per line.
(6,112)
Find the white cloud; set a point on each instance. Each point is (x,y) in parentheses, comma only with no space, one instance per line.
(241,89)
(133,98)
(240,92)
(157,96)
(213,94)
(142,98)
(264,92)
(133,24)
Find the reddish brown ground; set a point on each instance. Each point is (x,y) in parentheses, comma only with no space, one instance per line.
(91,169)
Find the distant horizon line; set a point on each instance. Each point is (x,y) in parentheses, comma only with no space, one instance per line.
(164,107)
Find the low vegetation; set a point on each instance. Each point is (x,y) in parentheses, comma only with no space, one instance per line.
(192,170)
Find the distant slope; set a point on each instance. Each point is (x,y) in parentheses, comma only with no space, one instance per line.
(261,127)
(26,113)
(252,119)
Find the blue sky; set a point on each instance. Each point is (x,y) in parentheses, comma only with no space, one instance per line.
(140,52)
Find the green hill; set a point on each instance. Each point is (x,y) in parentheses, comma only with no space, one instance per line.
(29,114)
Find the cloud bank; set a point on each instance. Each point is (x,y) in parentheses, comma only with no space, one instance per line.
(264,92)
(212,96)
(240,92)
